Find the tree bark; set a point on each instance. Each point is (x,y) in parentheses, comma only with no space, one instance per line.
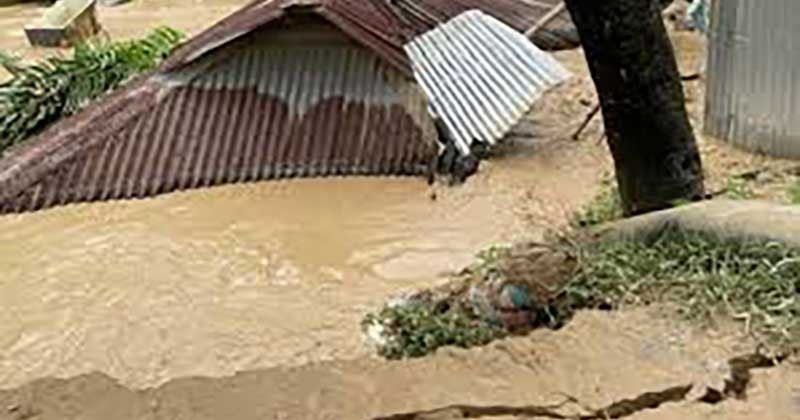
(634,70)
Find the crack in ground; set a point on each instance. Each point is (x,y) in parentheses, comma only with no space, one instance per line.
(735,387)
(741,375)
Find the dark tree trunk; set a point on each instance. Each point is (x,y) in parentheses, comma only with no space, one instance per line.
(634,70)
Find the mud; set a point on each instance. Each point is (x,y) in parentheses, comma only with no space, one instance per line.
(599,363)
(244,302)
(736,385)
(238,277)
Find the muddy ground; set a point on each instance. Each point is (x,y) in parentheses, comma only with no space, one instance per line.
(221,304)
(599,359)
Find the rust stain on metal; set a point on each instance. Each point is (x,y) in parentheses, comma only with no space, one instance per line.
(283,102)
(281,88)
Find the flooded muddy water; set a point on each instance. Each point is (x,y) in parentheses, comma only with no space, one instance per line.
(249,276)
(254,276)
(258,289)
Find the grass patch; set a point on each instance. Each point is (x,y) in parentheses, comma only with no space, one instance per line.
(417,330)
(755,282)
(737,188)
(794,192)
(605,207)
(489,260)
(702,277)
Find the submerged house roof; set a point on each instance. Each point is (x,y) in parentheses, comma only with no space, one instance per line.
(383,25)
(136,141)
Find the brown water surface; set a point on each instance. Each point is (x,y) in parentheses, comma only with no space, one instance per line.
(245,276)
(253,276)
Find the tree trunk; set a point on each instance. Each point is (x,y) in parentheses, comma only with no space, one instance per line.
(633,66)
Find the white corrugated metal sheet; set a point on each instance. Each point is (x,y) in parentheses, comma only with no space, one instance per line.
(481,76)
(753,90)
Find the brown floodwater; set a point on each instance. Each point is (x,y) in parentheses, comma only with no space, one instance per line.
(242,277)
(272,279)
(249,276)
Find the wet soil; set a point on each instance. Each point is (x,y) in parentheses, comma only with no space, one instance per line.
(601,360)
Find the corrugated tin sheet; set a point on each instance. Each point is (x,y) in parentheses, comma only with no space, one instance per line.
(753,93)
(481,76)
(268,107)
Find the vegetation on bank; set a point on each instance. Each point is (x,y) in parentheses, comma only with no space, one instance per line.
(606,206)
(419,329)
(39,94)
(794,192)
(703,278)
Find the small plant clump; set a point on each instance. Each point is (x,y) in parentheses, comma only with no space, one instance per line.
(416,330)
(738,188)
(605,207)
(488,264)
(39,94)
(755,282)
(794,192)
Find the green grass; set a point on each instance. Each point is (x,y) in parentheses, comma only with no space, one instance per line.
(605,207)
(418,330)
(39,94)
(738,189)
(794,192)
(703,277)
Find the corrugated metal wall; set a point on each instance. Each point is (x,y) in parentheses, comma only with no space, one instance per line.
(753,93)
(299,103)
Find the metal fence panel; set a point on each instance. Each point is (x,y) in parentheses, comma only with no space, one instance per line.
(754,75)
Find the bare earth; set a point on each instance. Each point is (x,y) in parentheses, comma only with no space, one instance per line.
(244,302)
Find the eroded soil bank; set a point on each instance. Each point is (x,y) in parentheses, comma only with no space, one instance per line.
(599,359)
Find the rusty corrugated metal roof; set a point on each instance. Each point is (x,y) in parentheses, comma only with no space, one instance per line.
(265,108)
(481,76)
(518,14)
(183,126)
(384,26)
